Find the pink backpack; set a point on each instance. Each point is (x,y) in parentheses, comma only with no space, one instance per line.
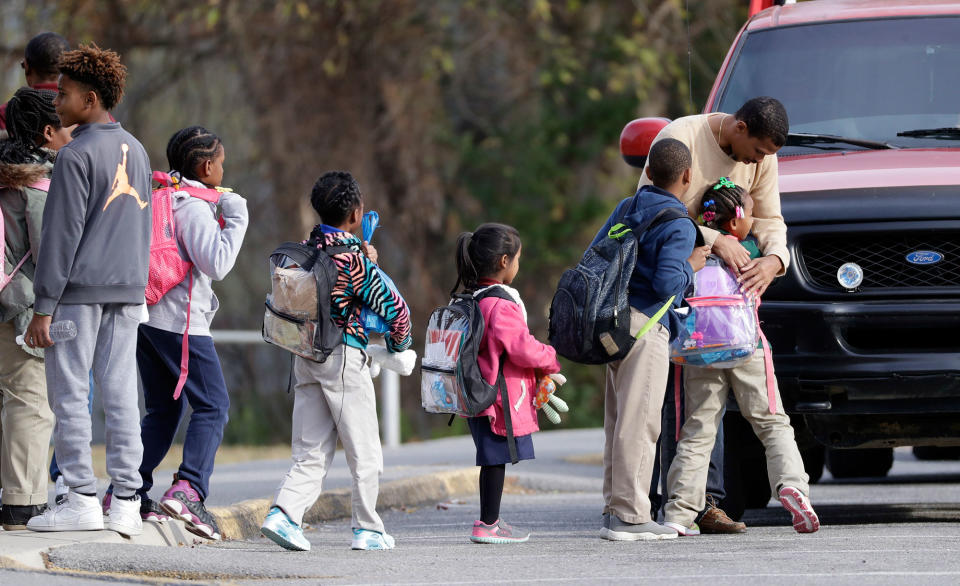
(42,185)
(167,268)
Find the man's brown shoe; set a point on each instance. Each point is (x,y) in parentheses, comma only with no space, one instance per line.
(715,521)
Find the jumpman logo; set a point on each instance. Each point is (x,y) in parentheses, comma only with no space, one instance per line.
(121,183)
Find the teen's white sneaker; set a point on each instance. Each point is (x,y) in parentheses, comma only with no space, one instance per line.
(124,517)
(77,512)
(61,490)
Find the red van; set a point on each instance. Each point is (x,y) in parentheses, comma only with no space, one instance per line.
(865,325)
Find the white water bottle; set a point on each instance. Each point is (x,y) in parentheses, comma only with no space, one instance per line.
(61,331)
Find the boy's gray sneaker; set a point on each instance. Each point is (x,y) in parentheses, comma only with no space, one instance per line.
(622,531)
(606,526)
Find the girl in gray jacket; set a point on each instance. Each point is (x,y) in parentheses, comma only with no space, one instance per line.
(196,158)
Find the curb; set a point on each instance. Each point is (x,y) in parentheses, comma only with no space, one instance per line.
(26,549)
(242,520)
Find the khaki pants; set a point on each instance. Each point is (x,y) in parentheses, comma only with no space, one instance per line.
(26,423)
(631,422)
(334,399)
(706,393)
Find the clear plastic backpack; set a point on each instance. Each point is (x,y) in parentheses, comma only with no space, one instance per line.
(720,328)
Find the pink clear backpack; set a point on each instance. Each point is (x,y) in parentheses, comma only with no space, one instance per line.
(42,185)
(167,268)
(720,330)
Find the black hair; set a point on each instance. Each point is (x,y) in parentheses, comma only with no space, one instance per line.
(334,197)
(29,111)
(667,161)
(189,148)
(99,69)
(720,202)
(765,117)
(479,253)
(43,53)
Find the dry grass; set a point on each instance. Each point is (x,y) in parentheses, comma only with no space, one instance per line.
(590,459)
(225,455)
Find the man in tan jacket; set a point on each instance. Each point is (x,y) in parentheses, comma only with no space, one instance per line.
(741,146)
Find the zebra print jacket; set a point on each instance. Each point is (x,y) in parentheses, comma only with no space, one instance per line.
(358,284)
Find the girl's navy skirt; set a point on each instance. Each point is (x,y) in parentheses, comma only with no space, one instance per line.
(492,448)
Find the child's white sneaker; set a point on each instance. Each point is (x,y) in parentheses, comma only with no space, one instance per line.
(279,528)
(124,517)
(367,539)
(77,512)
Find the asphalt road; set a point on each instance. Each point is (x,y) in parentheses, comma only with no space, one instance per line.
(905,528)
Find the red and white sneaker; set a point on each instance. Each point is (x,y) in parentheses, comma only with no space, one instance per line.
(805,520)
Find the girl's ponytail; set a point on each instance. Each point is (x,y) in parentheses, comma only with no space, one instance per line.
(478,253)
(466,270)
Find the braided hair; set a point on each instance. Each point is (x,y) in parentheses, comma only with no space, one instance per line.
(191,147)
(479,252)
(334,197)
(723,201)
(29,111)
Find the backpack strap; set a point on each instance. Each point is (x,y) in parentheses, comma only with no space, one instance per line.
(507,418)
(41,185)
(204,193)
(667,215)
(494,291)
(185,346)
(767,364)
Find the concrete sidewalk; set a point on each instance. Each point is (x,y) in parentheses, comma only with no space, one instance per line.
(415,474)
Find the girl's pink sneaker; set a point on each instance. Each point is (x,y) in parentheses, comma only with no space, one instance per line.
(498,532)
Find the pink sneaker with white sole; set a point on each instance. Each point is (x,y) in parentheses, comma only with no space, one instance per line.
(181,501)
(805,520)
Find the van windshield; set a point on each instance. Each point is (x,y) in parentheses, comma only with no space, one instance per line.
(867,80)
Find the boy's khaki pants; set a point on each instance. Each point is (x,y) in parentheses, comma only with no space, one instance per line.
(706,393)
(26,423)
(631,421)
(334,399)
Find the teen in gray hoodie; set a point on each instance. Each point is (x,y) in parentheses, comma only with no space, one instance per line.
(92,270)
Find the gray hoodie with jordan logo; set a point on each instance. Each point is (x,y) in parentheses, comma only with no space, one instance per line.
(95,239)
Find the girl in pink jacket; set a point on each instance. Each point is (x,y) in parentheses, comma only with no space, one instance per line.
(490,257)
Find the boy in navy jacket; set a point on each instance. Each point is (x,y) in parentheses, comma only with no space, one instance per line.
(666,261)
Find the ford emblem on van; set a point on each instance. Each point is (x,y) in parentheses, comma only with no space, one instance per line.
(924,257)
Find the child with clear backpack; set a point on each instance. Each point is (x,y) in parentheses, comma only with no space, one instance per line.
(490,258)
(727,208)
(334,400)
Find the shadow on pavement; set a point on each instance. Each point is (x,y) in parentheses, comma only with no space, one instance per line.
(774,515)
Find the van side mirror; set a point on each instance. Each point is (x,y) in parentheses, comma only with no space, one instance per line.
(636,138)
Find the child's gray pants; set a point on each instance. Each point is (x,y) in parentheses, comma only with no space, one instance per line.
(106,342)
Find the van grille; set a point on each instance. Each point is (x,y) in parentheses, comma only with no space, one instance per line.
(883,260)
